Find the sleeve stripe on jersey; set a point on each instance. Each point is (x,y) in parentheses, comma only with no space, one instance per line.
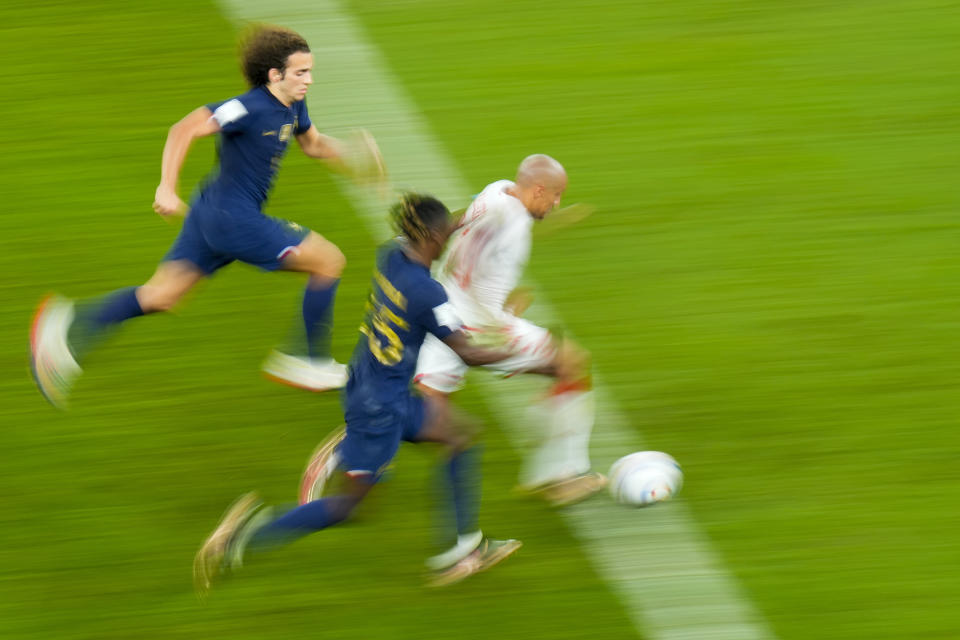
(229,111)
(446,316)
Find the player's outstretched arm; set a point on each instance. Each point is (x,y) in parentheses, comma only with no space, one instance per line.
(356,156)
(196,124)
(320,146)
(473,355)
(565,217)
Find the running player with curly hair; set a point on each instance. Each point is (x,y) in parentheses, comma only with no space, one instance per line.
(226,222)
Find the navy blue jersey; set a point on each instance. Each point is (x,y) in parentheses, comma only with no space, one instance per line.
(405,303)
(256,129)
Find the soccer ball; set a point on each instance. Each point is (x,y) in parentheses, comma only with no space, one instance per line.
(645,477)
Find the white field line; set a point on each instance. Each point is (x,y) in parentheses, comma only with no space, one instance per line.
(670,581)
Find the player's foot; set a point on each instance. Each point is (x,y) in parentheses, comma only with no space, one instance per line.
(305,373)
(562,493)
(214,556)
(322,465)
(51,361)
(489,553)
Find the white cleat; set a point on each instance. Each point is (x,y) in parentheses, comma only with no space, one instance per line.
(321,467)
(305,373)
(53,365)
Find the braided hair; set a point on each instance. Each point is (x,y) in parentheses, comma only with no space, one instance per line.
(416,215)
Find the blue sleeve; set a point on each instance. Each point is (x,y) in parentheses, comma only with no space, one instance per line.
(303,119)
(437,315)
(232,115)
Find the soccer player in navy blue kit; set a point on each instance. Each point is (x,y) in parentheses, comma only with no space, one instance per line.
(226,222)
(405,305)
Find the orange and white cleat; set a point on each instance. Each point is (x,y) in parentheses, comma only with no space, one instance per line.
(322,465)
(52,363)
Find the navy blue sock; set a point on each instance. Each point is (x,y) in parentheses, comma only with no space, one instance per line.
(318,318)
(301,521)
(95,320)
(463,474)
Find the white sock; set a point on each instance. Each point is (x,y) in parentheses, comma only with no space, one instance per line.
(564,450)
(466,544)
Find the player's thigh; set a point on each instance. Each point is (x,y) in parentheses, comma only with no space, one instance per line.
(439,367)
(254,238)
(192,244)
(440,422)
(372,439)
(533,348)
(316,255)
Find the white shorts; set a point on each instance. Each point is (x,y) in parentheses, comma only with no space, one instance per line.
(439,368)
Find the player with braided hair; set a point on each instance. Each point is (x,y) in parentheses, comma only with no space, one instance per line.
(405,305)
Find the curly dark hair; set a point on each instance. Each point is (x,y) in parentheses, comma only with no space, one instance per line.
(416,215)
(264,47)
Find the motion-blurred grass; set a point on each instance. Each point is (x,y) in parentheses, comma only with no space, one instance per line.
(769,288)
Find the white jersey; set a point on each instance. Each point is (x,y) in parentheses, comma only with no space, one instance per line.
(486,257)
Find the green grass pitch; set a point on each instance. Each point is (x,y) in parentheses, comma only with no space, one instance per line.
(769,289)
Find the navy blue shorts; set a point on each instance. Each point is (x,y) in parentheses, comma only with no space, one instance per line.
(375,431)
(213,237)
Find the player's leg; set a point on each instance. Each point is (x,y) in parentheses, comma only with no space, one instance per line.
(63,333)
(460,473)
(558,468)
(250,526)
(307,362)
(313,516)
(365,453)
(97,319)
(470,552)
(370,443)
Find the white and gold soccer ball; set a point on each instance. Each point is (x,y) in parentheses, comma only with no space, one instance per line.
(644,478)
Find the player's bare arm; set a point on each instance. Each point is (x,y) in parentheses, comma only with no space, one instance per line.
(320,146)
(473,355)
(196,124)
(357,156)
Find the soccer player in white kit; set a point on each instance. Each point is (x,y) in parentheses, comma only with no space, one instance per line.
(482,266)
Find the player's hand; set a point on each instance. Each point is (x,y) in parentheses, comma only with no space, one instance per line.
(167,203)
(518,301)
(364,161)
(560,218)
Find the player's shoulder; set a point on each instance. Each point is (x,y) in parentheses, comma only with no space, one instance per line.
(496,190)
(496,196)
(421,290)
(409,277)
(237,107)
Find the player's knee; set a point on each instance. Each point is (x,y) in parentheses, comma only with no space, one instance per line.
(339,508)
(326,260)
(154,299)
(463,439)
(334,262)
(573,362)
